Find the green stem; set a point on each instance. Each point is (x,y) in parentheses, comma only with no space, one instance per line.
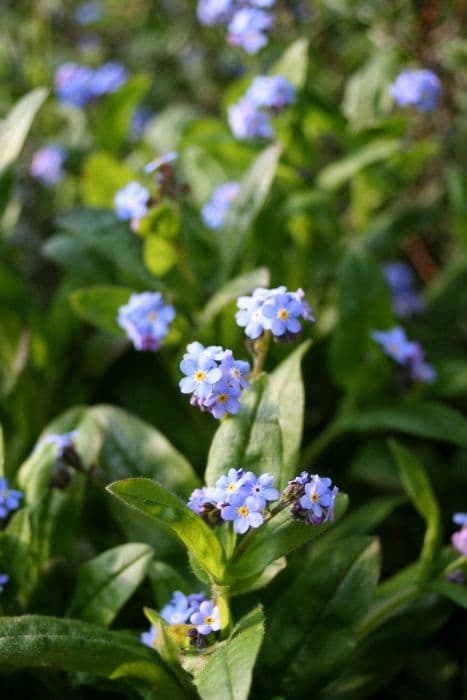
(220,597)
(320,444)
(260,349)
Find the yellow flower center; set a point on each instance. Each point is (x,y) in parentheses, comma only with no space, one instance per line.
(283,314)
(231,488)
(243,510)
(208,620)
(394,348)
(236,373)
(152,315)
(200,375)
(222,398)
(314,498)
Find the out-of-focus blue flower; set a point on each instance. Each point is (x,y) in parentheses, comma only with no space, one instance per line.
(273,92)
(108,78)
(248,122)
(224,398)
(459,540)
(212,12)
(131,201)
(145,319)
(419,370)
(420,88)
(405,299)
(318,499)
(4,578)
(394,343)
(46,165)
(244,514)
(165,159)
(248,28)
(281,314)
(460,518)
(62,442)
(197,500)
(260,489)
(262,3)
(214,212)
(87,13)
(9,498)
(73,84)
(207,619)
(276,310)
(149,638)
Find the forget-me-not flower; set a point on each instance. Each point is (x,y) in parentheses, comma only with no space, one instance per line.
(207,619)
(244,513)
(394,343)
(420,88)
(260,489)
(4,578)
(145,319)
(214,212)
(274,92)
(108,78)
(249,122)
(9,499)
(131,202)
(73,84)
(47,165)
(248,28)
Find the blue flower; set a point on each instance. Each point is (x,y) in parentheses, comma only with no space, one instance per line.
(273,92)
(62,442)
(235,371)
(207,619)
(145,319)
(394,343)
(405,299)
(197,500)
(276,310)
(421,88)
(459,540)
(250,317)
(4,578)
(201,373)
(9,499)
(460,518)
(419,370)
(178,611)
(131,201)
(73,84)
(232,484)
(213,12)
(318,500)
(247,29)
(46,165)
(149,638)
(224,398)
(243,512)
(214,212)
(260,489)
(248,122)
(166,159)
(87,13)
(108,78)
(281,314)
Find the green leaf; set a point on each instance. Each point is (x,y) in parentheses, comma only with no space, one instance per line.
(102,177)
(251,439)
(164,643)
(362,520)
(364,305)
(166,509)
(36,641)
(421,494)
(15,549)
(276,538)
(227,674)
(293,64)
(253,192)
(426,419)
(337,174)
(99,305)
(287,391)
(114,112)
(313,623)
(106,582)
(165,579)
(455,592)
(243,284)
(367,97)
(14,129)
(2,453)
(160,255)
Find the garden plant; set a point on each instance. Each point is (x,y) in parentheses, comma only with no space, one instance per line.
(233,333)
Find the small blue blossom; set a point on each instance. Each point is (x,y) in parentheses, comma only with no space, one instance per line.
(235,371)
(63,442)
(201,375)
(73,84)
(394,343)
(318,499)
(131,201)
(244,513)
(248,28)
(421,88)
(108,78)
(419,370)
(157,163)
(149,638)
(207,619)
(406,301)
(214,212)
(459,540)
(248,122)
(260,489)
(9,499)
(179,609)
(276,310)
(231,484)
(213,12)
(223,399)
(87,13)
(460,518)
(4,578)
(197,500)
(280,314)
(46,165)
(273,92)
(145,319)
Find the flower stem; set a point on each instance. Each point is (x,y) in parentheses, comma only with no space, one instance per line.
(260,351)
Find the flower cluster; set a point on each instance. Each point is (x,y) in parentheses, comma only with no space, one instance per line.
(145,319)
(459,538)
(131,202)
(249,118)
(214,378)
(214,212)
(192,609)
(4,578)
(406,300)
(314,498)
(87,13)
(47,165)
(420,88)
(240,497)
(247,21)
(276,310)
(9,499)
(78,85)
(407,353)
